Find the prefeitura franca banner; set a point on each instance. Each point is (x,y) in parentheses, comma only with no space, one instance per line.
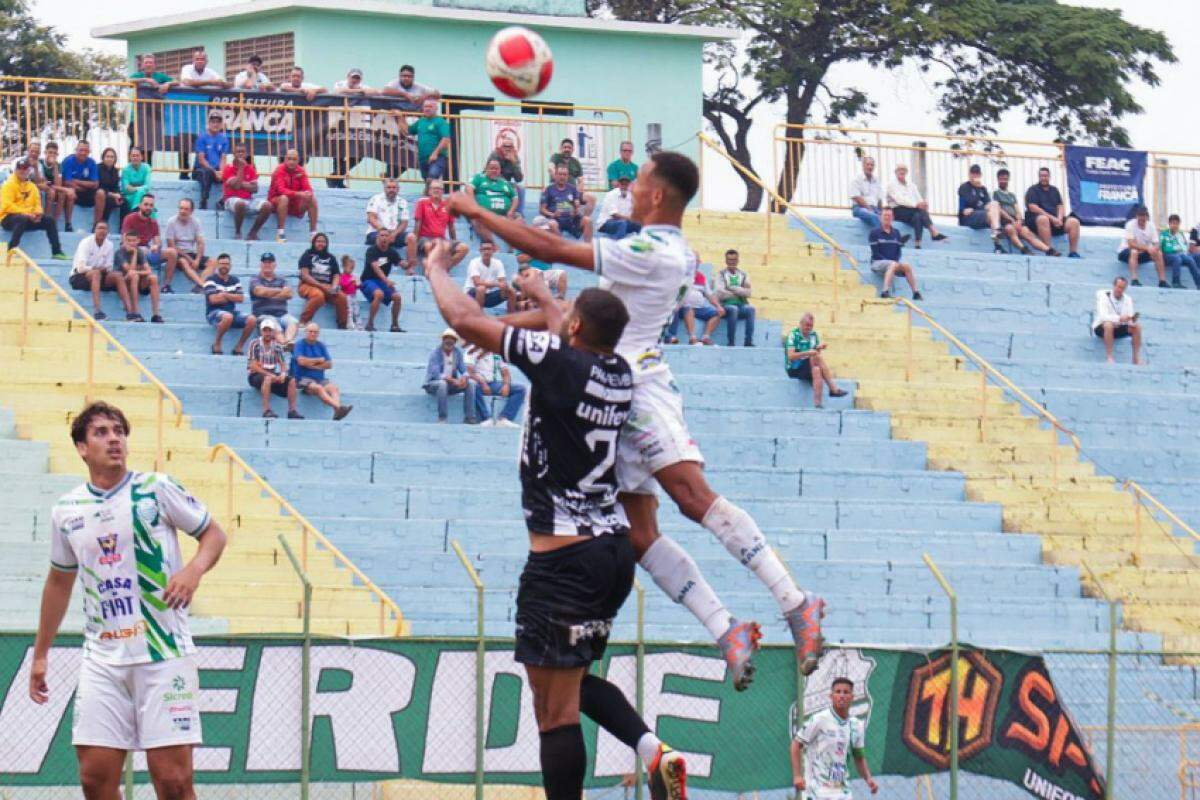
(405,709)
(1105,183)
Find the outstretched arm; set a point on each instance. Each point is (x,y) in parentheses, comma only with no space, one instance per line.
(540,244)
(462,313)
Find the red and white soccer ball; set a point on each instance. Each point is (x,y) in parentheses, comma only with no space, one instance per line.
(519,62)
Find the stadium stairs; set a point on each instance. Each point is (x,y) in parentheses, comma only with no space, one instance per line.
(253,589)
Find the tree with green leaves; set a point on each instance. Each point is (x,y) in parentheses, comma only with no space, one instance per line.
(1067,69)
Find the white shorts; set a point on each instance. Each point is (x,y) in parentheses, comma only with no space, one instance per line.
(253,204)
(655,436)
(881,266)
(139,706)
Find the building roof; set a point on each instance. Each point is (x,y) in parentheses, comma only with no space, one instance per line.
(124,30)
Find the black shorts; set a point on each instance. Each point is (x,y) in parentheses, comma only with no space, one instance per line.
(568,599)
(277,389)
(1119,331)
(85,197)
(1055,228)
(1142,257)
(82,281)
(572,225)
(802,372)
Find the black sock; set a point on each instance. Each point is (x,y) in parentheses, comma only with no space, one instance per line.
(607,706)
(564,762)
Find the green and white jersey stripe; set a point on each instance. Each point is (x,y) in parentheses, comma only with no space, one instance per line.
(123,543)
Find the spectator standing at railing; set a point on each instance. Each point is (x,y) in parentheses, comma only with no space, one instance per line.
(510,169)
(252,78)
(319,283)
(198,75)
(222,294)
(149,77)
(135,180)
(92,269)
(976,209)
(109,178)
(352,85)
(433,140)
(804,359)
(387,211)
(886,244)
(1139,245)
(295,84)
(616,211)
(1046,215)
(144,226)
(566,155)
(732,289)
(351,152)
(292,194)
(906,202)
(431,223)
(81,174)
(866,195)
(411,93)
(622,167)
(1011,220)
(239,185)
(21,210)
(211,148)
(1114,318)
(1174,246)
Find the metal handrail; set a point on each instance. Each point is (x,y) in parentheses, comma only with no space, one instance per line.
(952,596)
(786,126)
(307,527)
(1136,488)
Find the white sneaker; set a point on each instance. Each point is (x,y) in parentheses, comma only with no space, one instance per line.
(488,423)
(506,423)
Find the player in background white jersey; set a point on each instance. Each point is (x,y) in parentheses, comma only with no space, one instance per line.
(649,271)
(823,746)
(138,684)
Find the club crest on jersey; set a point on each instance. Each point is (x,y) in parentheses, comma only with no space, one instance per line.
(147,511)
(73,524)
(108,549)
(641,246)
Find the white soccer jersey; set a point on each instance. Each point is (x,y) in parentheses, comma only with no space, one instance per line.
(650,271)
(829,741)
(123,543)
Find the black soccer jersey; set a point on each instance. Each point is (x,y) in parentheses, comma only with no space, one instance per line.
(577,405)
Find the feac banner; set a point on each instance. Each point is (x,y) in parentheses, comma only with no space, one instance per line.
(1105,183)
(404,709)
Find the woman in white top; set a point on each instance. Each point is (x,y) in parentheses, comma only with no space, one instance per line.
(910,208)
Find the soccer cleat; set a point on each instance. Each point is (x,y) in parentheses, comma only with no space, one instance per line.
(738,646)
(668,775)
(805,623)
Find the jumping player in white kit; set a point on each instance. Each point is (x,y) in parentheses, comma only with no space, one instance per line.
(649,271)
(138,684)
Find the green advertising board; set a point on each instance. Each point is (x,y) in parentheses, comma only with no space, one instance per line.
(405,708)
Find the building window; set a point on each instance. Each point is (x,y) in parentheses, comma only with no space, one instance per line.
(277,51)
(170,62)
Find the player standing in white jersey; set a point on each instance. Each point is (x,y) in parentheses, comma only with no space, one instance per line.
(138,685)
(649,271)
(824,744)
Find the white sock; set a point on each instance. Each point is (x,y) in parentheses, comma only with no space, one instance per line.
(647,748)
(738,531)
(677,574)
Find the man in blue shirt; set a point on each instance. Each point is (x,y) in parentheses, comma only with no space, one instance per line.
(885,255)
(563,202)
(446,375)
(1046,215)
(976,208)
(211,148)
(309,362)
(81,175)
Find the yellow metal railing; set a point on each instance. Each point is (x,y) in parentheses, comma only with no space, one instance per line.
(309,533)
(31,269)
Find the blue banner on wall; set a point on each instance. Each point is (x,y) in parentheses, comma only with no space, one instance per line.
(1104,183)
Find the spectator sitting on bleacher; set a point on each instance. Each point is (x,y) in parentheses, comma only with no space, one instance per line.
(1175,253)
(1010,218)
(433,140)
(63,197)
(491,377)
(698,304)
(804,359)
(144,226)
(909,206)
(866,195)
(1115,318)
(135,181)
(555,278)
(886,244)
(185,248)
(222,293)
(292,194)
(731,286)
(239,185)
(92,269)
(21,210)
(976,209)
(375,282)
(387,211)
(131,262)
(295,84)
(562,204)
(109,179)
(446,375)
(252,78)
(198,75)
(616,211)
(33,154)
(211,148)
(319,282)
(147,76)
(1046,216)
(1139,245)
(566,156)
(309,362)
(493,193)
(269,295)
(510,169)
(411,93)
(81,174)
(265,372)
(486,283)
(353,85)
(622,167)
(432,222)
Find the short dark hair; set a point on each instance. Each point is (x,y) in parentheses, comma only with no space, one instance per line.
(602,317)
(1119,278)
(150,195)
(408,68)
(1173,218)
(1139,210)
(731,250)
(224,255)
(1002,173)
(567,140)
(254,59)
(98,223)
(677,171)
(99,408)
(844,680)
(1043,169)
(191,203)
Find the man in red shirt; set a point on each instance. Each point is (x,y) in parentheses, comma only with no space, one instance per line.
(432,222)
(240,182)
(142,223)
(291,193)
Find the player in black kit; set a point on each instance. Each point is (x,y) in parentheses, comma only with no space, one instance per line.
(581,561)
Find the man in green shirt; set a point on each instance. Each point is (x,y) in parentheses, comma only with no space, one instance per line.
(148,77)
(1174,245)
(623,167)
(804,360)
(433,141)
(495,194)
(566,156)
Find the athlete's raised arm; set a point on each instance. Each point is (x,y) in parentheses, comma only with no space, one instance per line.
(540,244)
(461,312)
